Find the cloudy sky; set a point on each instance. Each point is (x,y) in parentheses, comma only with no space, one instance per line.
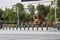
(9,3)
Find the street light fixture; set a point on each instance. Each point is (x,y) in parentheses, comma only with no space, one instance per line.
(15,9)
(55,10)
(55,7)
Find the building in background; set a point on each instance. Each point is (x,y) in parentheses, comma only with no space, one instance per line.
(34,3)
(30,0)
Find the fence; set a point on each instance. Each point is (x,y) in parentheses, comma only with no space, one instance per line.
(36,27)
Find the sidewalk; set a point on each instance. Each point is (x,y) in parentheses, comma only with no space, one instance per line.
(28,32)
(29,35)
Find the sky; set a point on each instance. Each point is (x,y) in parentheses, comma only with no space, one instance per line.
(9,3)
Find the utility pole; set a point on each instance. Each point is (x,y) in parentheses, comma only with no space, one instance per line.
(55,9)
(15,9)
(17,17)
(55,1)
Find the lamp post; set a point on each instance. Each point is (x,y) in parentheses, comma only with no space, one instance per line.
(18,16)
(15,9)
(55,10)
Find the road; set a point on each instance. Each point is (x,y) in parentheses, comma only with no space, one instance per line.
(29,35)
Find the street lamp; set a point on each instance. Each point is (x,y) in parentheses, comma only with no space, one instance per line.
(55,7)
(55,2)
(15,9)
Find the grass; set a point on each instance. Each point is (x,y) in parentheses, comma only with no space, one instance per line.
(9,25)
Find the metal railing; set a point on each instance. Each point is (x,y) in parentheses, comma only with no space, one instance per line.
(36,27)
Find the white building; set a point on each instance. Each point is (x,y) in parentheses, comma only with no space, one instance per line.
(35,3)
(9,3)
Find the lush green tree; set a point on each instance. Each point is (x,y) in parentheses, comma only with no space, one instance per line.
(21,12)
(58,13)
(20,7)
(22,16)
(28,17)
(58,10)
(47,10)
(58,2)
(9,14)
(51,15)
(31,9)
(43,10)
(1,12)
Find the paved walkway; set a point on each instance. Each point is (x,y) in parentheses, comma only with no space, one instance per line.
(29,35)
(17,34)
